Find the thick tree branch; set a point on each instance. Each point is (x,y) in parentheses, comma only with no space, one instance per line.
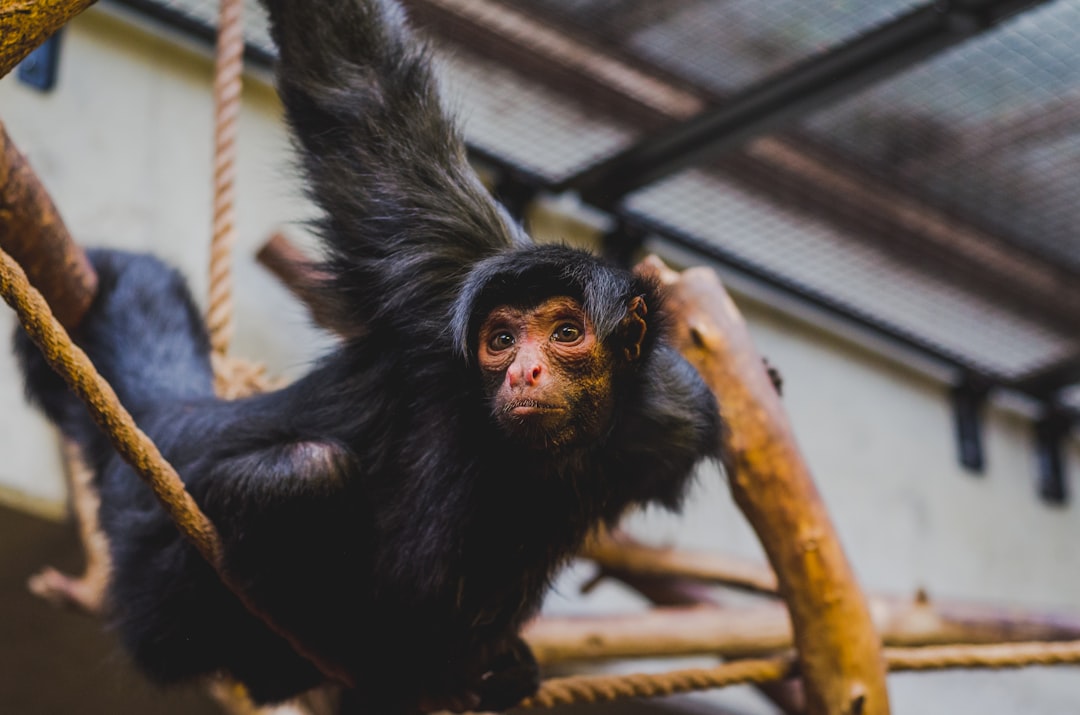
(33,233)
(25,24)
(839,651)
(765,629)
(618,553)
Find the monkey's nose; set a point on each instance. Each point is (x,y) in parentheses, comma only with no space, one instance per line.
(529,374)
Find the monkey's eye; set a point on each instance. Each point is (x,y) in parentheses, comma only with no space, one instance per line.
(566,333)
(500,341)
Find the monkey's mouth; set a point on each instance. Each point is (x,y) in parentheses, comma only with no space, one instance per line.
(526,407)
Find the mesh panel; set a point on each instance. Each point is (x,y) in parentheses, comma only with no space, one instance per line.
(720,46)
(824,262)
(989,131)
(524,123)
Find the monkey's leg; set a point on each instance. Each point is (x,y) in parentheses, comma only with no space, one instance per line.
(85,593)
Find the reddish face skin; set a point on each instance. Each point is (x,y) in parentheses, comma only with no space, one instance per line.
(547,376)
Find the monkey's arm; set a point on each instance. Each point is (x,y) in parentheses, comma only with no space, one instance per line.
(403,213)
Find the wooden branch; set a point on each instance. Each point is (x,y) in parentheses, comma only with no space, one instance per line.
(303,278)
(25,24)
(680,590)
(765,629)
(839,652)
(619,553)
(32,232)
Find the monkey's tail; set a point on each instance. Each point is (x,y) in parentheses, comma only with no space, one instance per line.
(143,334)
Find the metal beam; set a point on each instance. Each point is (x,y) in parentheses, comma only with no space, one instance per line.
(783,286)
(844,70)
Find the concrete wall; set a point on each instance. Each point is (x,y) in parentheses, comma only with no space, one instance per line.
(124,145)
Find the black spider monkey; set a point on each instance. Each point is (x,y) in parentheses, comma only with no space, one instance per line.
(402,508)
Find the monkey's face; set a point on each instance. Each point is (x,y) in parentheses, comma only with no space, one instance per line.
(546,376)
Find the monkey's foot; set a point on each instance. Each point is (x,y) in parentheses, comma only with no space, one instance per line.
(81,594)
(465,701)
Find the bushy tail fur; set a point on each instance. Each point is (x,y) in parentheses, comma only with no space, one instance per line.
(144,335)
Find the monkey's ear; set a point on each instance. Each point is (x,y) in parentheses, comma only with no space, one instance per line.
(633,328)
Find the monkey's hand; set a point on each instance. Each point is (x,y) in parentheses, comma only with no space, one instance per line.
(496,679)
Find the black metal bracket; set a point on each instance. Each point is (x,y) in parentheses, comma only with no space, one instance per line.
(1051,431)
(39,68)
(968,402)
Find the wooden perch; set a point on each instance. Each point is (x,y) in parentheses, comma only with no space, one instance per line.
(303,277)
(617,553)
(765,629)
(839,651)
(25,24)
(32,232)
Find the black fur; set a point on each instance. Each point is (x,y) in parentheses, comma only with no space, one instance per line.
(373,508)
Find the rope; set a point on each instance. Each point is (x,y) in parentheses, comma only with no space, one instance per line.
(1002,655)
(228,66)
(606,688)
(136,448)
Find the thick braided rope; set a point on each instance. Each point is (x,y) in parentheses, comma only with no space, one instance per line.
(1000,655)
(228,67)
(132,443)
(606,688)
(137,449)
(597,689)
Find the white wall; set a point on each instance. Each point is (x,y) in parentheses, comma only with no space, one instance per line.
(124,145)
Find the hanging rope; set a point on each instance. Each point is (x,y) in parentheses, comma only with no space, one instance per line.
(228,68)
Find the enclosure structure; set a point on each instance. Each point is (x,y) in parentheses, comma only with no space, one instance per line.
(510,190)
